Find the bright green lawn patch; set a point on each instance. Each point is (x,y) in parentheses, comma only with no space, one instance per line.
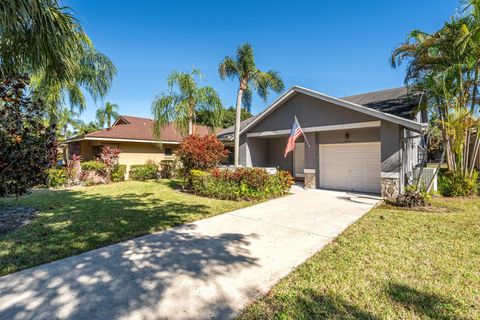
(82,219)
(392,264)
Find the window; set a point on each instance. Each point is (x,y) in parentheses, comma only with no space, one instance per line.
(168,151)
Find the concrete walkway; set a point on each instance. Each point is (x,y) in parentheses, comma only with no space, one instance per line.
(208,269)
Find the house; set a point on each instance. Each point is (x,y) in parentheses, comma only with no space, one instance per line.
(135,137)
(366,143)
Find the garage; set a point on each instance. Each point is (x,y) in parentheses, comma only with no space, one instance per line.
(350,166)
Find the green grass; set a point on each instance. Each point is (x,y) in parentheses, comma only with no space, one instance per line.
(392,264)
(77,220)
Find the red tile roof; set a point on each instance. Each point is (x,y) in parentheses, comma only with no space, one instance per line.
(135,128)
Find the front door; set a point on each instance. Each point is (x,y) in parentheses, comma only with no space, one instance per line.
(299,160)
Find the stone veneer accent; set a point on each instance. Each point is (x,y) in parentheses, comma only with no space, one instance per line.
(310,181)
(390,187)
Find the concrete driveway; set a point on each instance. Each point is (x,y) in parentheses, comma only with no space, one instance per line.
(208,269)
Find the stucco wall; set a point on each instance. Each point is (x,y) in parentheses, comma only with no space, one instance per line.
(310,112)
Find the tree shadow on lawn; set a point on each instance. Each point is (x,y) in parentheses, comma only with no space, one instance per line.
(156,275)
(310,304)
(430,305)
(71,222)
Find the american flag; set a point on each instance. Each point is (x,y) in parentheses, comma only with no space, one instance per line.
(294,134)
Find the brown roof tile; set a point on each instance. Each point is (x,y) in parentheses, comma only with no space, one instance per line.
(135,128)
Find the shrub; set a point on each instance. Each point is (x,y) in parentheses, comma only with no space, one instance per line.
(118,173)
(109,157)
(57,177)
(28,147)
(412,198)
(241,184)
(201,153)
(94,165)
(143,172)
(168,168)
(454,184)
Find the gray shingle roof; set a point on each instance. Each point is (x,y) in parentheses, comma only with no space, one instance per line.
(394,101)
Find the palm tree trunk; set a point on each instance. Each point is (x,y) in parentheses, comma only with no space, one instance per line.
(475,85)
(190,126)
(237,126)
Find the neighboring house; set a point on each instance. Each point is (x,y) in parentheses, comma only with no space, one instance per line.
(367,143)
(135,137)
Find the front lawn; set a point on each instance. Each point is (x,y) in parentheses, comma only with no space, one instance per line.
(392,264)
(73,221)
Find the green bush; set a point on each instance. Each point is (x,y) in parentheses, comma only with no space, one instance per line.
(118,173)
(241,184)
(413,198)
(454,184)
(143,172)
(98,167)
(57,177)
(168,168)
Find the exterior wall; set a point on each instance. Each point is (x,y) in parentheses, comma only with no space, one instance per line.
(391,183)
(132,152)
(310,112)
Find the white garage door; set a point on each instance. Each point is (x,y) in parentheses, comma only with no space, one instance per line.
(350,166)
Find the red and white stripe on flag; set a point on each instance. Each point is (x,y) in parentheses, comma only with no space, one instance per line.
(294,134)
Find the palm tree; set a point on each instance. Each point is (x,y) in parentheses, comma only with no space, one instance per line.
(67,117)
(183,99)
(243,68)
(106,114)
(43,40)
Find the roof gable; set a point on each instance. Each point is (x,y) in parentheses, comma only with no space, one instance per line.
(408,123)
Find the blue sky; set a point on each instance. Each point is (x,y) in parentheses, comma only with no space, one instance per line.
(336,47)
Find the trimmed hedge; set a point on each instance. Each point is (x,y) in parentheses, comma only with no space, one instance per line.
(168,168)
(241,184)
(143,172)
(118,173)
(57,177)
(98,167)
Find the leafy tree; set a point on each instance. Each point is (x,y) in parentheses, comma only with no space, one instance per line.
(183,99)
(65,119)
(242,67)
(84,128)
(28,146)
(445,67)
(204,117)
(106,114)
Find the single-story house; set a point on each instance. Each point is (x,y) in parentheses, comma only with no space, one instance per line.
(369,142)
(135,137)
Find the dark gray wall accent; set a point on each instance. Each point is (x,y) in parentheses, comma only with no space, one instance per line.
(355,136)
(276,149)
(310,112)
(311,153)
(390,138)
(258,152)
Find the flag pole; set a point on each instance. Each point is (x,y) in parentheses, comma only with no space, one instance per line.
(304,136)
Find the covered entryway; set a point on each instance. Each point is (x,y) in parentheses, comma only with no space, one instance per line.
(350,166)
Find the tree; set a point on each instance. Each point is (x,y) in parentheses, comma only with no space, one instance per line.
(43,40)
(204,117)
(28,146)
(183,99)
(65,119)
(84,128)
(445,67)
(243,68)
(106,114)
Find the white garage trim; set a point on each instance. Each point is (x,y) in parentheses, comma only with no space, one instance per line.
(350,166)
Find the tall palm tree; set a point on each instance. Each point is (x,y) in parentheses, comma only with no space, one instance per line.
(242,67)
(106,114)
(65,118)
(183,98)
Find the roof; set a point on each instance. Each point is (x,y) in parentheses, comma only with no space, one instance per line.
(138,130)
(396,101)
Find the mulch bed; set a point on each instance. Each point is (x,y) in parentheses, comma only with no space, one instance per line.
(14,217)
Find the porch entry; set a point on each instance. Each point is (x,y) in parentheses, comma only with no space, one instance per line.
(350,166)
(299,160)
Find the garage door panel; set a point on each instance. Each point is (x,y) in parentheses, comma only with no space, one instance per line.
(353,167)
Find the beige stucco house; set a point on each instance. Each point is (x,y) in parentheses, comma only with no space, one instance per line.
(135,137)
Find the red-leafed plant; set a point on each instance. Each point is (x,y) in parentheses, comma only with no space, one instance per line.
(73,168)
(201,153)
(109,157)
